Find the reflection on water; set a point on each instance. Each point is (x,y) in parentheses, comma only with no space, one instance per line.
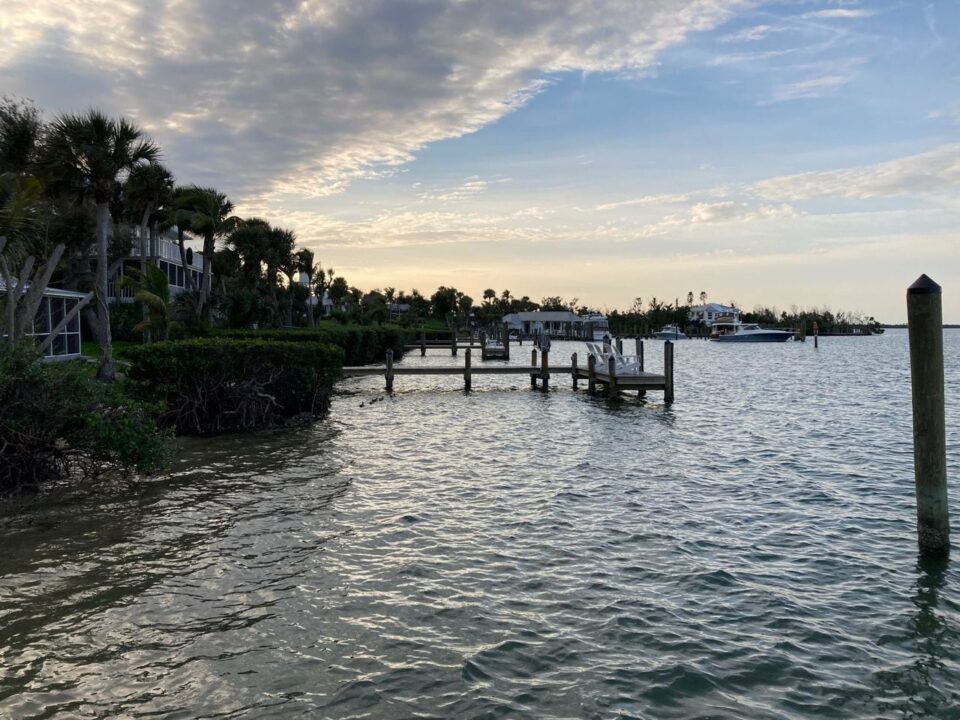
(748,552)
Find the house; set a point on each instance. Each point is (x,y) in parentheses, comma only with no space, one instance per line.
(713,312)
(552,323)
(53,308)
(164,252)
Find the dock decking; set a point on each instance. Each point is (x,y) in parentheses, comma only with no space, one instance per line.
(540,371)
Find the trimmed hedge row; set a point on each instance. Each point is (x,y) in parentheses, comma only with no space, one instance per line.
(361,344)
(212,385)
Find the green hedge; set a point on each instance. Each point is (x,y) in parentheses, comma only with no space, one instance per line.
(216,384)
(361,344)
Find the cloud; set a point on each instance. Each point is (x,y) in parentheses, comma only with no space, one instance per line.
(810,88)
(933,172)
(724,212)
(750,34)
(304,97)
(838,14)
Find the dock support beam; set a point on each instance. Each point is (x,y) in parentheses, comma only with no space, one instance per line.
(925,322)
(467,381)
(668,371)
(591,374)
(533,368)
(573,364)
(545,369)
(389,373)
(612,389)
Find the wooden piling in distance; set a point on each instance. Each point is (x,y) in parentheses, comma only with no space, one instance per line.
(453,344)
(668,372)
(533,368)
(505,337)
(591,374)
(573,373)
(620,345)
(816,335)
(640,352)
(389,372)
(423,343)
(545,369)
(925,323)
(467,382)
(612,378)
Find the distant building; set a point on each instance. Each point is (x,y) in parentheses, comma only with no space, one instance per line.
(53,308)
(555,324)
(714,312)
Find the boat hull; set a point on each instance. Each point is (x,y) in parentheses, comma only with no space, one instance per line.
(769,337)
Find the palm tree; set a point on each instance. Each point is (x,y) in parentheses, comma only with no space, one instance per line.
(153,291)
(85,156)
(703,297)
(209,216)
(306,265)
(149,186)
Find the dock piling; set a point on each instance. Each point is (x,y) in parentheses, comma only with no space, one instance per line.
(612,378)
(533,368)
(545,369)
(466,370)
(925,324)
(505,337)
(389,372)
(423,343)
(573,364)
(668,371)
(591,374)
(620,345)
(453,344)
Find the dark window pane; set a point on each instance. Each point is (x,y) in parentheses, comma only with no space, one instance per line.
(56,311)
(73,344)
(59,345)
(74,325)
(180,276)
(41,323)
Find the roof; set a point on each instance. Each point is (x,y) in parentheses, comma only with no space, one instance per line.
(543,316)
(714,308)
(51,292)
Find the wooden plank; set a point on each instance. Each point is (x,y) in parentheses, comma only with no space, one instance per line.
(365,371)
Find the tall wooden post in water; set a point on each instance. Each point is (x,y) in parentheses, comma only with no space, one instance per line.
(925,320)
(545,369)
(533,368)
(506,340)
(389,372)
(612,389)
(466,370)
(573,372)
(668,371)
(423,343)
(591,373)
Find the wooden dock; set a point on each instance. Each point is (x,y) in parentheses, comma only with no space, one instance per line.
(540,372)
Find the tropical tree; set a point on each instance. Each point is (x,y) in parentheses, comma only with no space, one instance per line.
(690,298)
(148,188)
(86,156)
(703,297)
(208,213)
(152,290)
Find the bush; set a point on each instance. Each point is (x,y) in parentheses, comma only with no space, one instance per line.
(361,344)
(217,384)
(123,317)
(57,421)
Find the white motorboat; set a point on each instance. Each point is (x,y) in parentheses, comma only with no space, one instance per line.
(671,332)
(739,332)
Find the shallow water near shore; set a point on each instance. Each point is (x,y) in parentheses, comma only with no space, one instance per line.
(748,552)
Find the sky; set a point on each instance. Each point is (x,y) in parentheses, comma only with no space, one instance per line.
(790,153)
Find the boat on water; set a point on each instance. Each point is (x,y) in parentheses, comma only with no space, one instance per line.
(671,332)
(599,325)
(749,332)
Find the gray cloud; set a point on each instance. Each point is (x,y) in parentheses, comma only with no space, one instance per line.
(300,97)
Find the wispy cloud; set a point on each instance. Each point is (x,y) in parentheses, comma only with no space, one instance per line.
(815,87)
(838,14)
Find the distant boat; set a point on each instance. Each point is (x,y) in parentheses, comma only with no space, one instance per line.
(671,332)
(737,332)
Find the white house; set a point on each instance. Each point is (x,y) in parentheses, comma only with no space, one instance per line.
(53,308)
(714,312)
(164,252)
(552,323)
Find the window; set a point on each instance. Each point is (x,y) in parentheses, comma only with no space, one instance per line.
(50,314)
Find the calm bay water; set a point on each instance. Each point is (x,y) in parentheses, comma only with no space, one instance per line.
(748,552)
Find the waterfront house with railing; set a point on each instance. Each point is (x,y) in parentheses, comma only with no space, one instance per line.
(164,252)
(711,313)
(557,324)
